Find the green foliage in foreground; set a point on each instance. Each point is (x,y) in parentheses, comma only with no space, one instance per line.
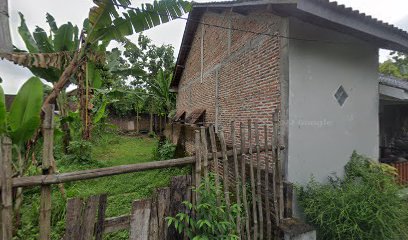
(210,222)
(364,205)
(108,150)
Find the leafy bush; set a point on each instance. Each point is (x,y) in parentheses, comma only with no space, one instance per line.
(209,221)
(165,150)
(80,151)
(364,205)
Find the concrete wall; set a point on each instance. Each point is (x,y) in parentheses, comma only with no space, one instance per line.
(323,134)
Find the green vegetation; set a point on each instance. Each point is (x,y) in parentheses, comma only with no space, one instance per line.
(397,66)
(211,222)
(109,150)
(365,205)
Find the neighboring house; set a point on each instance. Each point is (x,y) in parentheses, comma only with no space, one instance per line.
(313,60)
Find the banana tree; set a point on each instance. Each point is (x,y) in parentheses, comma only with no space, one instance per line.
(64,38)
(104,24)
(20,124)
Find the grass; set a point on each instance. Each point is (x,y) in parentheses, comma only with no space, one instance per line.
(108,150)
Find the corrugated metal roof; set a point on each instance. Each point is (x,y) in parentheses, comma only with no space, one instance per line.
(320,12)
(393,82)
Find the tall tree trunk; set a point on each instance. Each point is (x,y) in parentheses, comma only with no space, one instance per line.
(151,122)
(137,120)
(5,37)
(63,109)
(160,125)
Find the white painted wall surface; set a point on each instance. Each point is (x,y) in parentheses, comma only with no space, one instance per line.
(323,134)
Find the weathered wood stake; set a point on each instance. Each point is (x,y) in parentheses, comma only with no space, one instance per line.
(279,166)
(204,152)
(236,171)
(197,178)
(225,168)
(47,161)
(267,194)
(258,181)
(6,189)
(216,163)
(243,179)
(252,175)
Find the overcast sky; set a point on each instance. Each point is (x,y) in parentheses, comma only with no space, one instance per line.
(392,11)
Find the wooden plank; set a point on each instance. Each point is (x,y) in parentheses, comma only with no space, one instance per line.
(236,174)
(39,180)
(6,189)
(243,178)
(225,168)
(178,193)
(279,167)
(267,194)
(47,160)
(163,207)
(73,217)
(140,220)
(89,218)
(274,172)
(204,152)
(259,181)
(252,178)
(100,223)
(216,163)
(115,224)
(99,172)
(197,179)
(153,224)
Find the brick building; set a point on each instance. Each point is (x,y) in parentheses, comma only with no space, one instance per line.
(314,61)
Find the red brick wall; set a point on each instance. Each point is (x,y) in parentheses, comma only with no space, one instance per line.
(247,66)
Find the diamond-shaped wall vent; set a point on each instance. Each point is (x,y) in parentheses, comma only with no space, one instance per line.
(341,95)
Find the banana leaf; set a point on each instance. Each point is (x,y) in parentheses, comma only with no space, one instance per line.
(24,117)
(26,35)
(3,111)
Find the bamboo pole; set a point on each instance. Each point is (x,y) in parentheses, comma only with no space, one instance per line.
(279,165)
(274,171)
(243,178)
(204,151)
(267,205)
(225,168)
(31,181)
(216,163)
(6,190)
(48,146)
(258,181)
(236,171)
(197,164)
(252,175)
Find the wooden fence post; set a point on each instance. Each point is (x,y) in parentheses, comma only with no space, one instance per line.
(225,168)
(252,175)
(258,181)
(6,190)
(215,159)
(267,206)
(243,178)
(278,165)
(197,164)
(236,171)
(204,152)
(47,161)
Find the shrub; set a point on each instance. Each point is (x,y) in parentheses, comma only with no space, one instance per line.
(164,150)
(80,151)
(209,221)
(364,205)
